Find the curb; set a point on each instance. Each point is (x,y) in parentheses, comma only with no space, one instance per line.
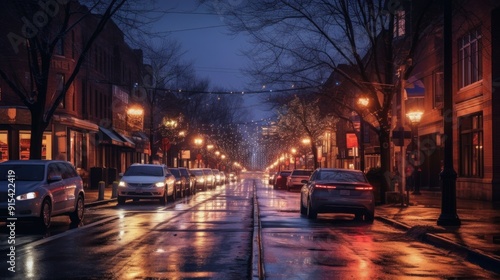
(482,259)
(99,202)
(257,265)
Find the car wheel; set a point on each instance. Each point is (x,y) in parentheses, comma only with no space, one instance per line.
(163,199)
(303,210)
(45,214)
(311,214)
(77,216)
(121,200)
(369,217)
(173,197)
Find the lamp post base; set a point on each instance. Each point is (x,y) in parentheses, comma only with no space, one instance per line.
(448,220)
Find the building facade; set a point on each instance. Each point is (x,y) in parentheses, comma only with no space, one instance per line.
(91,128)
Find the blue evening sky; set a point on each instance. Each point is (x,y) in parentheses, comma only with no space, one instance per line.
(215,54)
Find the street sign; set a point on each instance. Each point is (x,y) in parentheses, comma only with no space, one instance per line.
(165,144)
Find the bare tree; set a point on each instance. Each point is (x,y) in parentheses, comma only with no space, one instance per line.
(43,25)
(304,42)
(302,118)
(164,70)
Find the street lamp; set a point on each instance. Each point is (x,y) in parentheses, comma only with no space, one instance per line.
(415,117)
(294,152)
(198,142)
(362,102)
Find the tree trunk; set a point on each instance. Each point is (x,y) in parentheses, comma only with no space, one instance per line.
(38,126)
(385,161)
(315,156)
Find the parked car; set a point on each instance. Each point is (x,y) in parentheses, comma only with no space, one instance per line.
(147,181)
(40,190)
(209,177)
(232,177)
(200,178)
(331,190)
(281,178)
(218,180)
(223,177)
(272,178)
(296,177)
(181,183)
(190,179)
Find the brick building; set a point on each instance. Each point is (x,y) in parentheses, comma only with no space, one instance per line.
(91,128)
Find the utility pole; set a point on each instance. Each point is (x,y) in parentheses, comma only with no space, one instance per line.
(448,176)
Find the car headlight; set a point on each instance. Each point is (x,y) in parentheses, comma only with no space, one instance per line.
(27,196)
(160,185)
(122,184)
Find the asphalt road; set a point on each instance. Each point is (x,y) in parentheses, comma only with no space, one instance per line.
(212,235)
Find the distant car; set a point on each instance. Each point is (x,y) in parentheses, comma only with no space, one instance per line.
(181,182)
(331,190)
(40,190)
(296,177)
(147,181)
(232,177)
(272,177)
(200,178)
(209,177)
(218,180)
(281,178)
(223,177)
(190,179)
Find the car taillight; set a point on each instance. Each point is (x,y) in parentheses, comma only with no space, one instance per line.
(325,187)
(279,177)
(364,188)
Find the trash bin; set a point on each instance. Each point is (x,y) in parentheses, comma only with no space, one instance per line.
(96,175)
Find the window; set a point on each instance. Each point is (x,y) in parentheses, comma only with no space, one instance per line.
(470,58)
(471,146)
(24,145)
(4,146)
(438,97)
(399,23)
(60,80)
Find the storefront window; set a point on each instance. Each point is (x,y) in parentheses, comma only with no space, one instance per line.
(4,146)
(24,145)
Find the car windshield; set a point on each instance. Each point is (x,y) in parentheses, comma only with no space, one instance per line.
(144,171)
(175,172)
(197,172)
(23,172)
(341,176)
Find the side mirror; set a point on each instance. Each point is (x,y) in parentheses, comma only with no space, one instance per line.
(54,178)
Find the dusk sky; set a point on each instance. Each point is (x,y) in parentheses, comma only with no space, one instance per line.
(215,54)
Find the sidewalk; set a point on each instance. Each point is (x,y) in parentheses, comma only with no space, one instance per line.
(92,196)
(477,239)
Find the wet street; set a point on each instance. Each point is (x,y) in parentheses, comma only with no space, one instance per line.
(210,236)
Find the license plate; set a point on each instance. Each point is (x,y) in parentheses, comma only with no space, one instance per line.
(345,192)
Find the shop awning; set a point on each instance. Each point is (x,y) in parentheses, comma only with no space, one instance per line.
(127,142)
(141,141)
(76,123)
(108,136)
